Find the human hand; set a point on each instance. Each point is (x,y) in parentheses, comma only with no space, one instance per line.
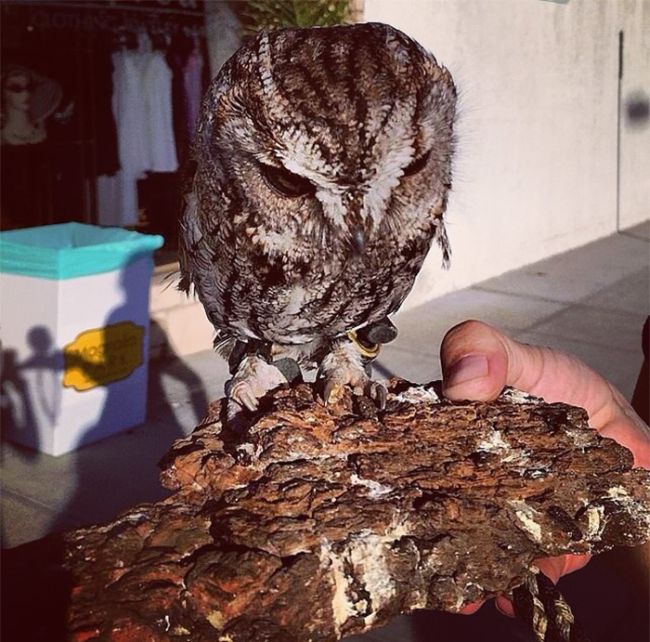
(478,361)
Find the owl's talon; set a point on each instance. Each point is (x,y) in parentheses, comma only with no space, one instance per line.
(240,398)
(373,390)
(332,392)
(233,408)
(242,394)
(378,393)
(343,367)
(360,385)
(253,379)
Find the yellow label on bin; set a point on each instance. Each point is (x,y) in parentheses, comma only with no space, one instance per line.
(100,356)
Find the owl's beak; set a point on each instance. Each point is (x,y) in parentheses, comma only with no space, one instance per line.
(359,240)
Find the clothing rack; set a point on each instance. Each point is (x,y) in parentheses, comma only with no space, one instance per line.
(118,5)
(79,29)
(114,16)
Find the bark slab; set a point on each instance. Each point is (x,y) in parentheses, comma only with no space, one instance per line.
(308,522)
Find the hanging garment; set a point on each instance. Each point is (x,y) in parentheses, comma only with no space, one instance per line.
(109,200)
(192,80)
(107,157)
(117,197)
(157,88)
(143,114)
(176,59)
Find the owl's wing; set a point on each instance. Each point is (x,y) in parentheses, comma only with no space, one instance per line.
(441,238)
(188,241)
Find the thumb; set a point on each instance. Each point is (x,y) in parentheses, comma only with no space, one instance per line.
(475,362)
(478,361)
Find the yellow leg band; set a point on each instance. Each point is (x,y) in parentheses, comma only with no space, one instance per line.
(369,351)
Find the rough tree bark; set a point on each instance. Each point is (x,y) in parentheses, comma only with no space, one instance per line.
(309,522)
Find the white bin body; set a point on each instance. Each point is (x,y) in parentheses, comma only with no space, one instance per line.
(74,356)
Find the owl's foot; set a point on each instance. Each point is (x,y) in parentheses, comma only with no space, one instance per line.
(372,389)
(344,366)
(253,379)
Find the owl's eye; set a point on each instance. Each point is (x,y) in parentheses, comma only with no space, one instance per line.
(417,165)
(286,183)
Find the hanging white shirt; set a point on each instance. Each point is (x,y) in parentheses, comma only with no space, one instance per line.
(157,90)
(142,107)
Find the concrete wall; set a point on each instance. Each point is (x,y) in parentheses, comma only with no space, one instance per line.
(634,20)
(536,170)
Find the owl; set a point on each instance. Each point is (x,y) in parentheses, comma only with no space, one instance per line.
(322,170)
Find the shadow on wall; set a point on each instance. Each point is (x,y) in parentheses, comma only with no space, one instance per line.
(19,399)
(81,373)
(637,110)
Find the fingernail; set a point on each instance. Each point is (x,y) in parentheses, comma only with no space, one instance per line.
(471,366)
(504,606)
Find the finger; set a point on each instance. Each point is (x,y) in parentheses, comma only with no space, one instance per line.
(554,568)
(474,362)
(471,608)
(504,605)
(478,361)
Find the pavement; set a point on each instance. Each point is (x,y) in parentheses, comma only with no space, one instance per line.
(591,301)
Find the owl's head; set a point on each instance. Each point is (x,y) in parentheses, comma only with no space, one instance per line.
(345,131)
